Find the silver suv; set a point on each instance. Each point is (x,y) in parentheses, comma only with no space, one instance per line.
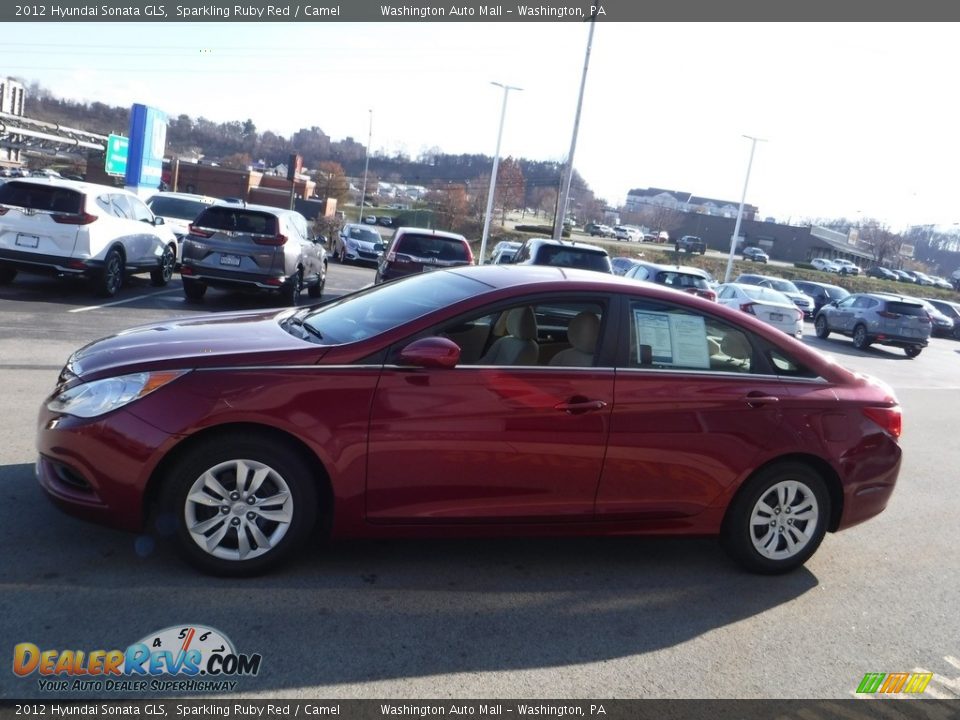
(253,247)
(877,318)
(562,253)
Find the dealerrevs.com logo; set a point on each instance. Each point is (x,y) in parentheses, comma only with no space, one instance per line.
(201,658)
(893,683)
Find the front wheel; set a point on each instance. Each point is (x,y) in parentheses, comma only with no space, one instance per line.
(912,350)
(820,325)
(161,275)
(239,505)
(860,340)
(778,518)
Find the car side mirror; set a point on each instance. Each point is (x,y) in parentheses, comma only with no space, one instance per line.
(158,221)
(320,240)
(430,352)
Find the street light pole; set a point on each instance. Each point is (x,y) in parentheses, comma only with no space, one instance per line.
(736,227)
(565,182)
(366,167)
(493,173)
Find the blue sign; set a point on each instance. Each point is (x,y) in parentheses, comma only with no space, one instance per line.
(148,139)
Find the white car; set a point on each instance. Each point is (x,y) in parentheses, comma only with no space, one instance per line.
(769,305)
(846,267)
(78,229)
(178,210)
(825,265)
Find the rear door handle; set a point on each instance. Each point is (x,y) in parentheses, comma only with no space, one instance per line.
(578,407)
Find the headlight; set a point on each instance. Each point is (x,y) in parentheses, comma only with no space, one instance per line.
(101,396)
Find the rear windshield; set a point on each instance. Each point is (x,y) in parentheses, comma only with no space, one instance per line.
(902,308)
(836,293)
(573,258)
(681,280)
(237,219)
(430,246)
(36,196)
(181,208)
(759,292)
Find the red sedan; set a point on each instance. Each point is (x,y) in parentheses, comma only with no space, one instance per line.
(470,401)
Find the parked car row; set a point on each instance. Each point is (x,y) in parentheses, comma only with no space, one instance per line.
(77,229)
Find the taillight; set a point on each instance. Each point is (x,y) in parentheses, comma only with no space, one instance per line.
(469,254)
(194,230)
(890,419)
(748,308)
(708,294)
(274,240)
(4,211)
(799,314)
(78,219)
(926,319)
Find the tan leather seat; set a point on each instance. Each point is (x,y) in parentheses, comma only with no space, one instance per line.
(582,333)
(519,346)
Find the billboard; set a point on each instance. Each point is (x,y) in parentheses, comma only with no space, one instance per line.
(148,139)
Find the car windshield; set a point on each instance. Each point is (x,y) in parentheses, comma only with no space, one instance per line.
(40,196)
(383,307)
(836,293)
(363,234)
(182,208)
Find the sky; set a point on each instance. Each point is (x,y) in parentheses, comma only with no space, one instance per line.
(855,120)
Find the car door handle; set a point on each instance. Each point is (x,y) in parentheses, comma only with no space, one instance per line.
(576,406)
(757,399)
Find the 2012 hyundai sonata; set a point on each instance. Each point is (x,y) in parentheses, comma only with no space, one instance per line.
(470,401)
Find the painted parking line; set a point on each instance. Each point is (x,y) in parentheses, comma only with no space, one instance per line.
(121,302)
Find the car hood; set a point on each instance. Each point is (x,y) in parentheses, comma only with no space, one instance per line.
(248,338)
(799,297)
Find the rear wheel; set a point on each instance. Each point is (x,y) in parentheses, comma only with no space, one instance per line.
(860,340)
(161,275)
(912,350)
(7,274)
(820,325)
(239,505)
(778,518)
(290,293)
(194,290)
(107,281)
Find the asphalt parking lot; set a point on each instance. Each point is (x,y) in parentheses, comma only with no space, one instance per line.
(583,618)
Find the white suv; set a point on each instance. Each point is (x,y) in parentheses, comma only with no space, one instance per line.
(77,229)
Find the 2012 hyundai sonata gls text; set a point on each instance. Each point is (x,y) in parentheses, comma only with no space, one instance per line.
(470,401)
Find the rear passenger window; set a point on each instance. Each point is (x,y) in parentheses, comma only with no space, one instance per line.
(667,337)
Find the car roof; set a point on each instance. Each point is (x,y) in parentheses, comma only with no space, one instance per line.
(541,241)
(427,231)
(78,185)
(688,269)
(185,196)
(278,212)
(890,296)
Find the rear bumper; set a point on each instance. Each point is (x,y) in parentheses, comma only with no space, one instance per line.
(65,266)
(215,277)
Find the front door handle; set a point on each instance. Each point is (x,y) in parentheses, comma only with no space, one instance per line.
(578,406)
(758,399)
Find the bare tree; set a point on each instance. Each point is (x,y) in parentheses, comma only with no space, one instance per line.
(332,181)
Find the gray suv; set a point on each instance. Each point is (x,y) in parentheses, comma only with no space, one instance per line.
(877,318)
(561,253)
(253,247)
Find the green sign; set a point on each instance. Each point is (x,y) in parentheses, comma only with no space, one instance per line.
(116,163)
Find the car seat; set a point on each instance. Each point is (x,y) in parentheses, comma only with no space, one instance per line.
(519,346)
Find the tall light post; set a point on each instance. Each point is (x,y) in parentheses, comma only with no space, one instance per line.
(493,173)
(736,227)
(366,167)
(565,182)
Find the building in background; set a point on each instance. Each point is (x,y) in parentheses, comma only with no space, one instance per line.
(12,96)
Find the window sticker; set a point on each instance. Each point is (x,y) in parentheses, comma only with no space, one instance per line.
(676,340)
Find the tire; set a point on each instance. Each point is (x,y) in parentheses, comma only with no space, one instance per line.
(7,274)
(194,290)
(107,282)
(259,529)
(912,350)
(161,276)
(316,290)
(777,519)
(860,339)
(290,292)
(821,327)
